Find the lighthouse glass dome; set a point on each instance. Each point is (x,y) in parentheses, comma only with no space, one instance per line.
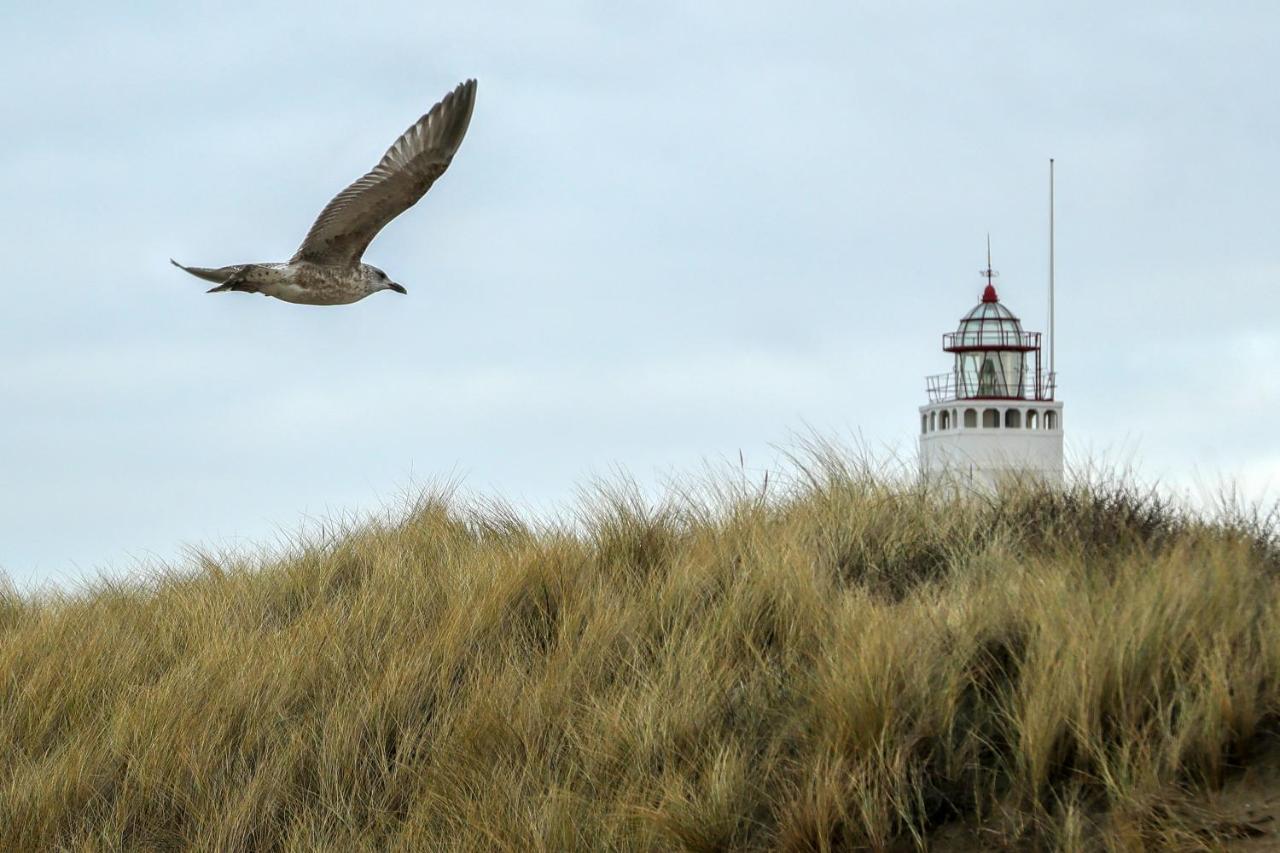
(990,357)
(989,324)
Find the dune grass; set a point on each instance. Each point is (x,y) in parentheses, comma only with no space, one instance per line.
(839,661)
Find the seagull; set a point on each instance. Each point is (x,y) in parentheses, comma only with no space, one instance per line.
(326,269)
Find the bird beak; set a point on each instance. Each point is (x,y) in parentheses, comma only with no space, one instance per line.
(397,288)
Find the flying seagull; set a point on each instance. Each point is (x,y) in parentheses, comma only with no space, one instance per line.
(326,270)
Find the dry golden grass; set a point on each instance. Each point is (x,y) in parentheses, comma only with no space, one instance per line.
(843,662)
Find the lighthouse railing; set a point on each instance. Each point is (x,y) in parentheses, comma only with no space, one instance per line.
(1037,385)
(990,338)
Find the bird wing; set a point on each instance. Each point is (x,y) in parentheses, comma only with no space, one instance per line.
(354,217)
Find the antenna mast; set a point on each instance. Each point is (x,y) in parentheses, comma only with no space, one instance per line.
(1053,338)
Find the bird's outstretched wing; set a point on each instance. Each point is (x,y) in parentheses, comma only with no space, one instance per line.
(354,217)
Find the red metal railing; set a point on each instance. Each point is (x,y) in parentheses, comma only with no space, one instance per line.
(995,339)
(1037,385)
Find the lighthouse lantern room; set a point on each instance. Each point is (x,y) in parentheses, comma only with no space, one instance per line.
(994,417)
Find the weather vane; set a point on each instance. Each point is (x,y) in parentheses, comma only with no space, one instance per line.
(989,273)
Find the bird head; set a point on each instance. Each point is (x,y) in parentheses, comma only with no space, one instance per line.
(380,281)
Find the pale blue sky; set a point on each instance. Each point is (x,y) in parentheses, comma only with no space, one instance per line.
(674,231)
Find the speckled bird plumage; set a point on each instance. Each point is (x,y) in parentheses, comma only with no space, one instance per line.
(326,269)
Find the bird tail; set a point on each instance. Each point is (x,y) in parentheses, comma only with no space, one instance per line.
(227,278)
(221,275)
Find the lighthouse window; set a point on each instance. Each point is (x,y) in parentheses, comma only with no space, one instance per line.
(946,419)
(990,374)
(991,418)
(970,418)
(924,424)
(933,421)
(1050,420)
(1012,419)
(1033,419)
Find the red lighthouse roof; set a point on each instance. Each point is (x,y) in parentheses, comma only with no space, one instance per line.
(989,295)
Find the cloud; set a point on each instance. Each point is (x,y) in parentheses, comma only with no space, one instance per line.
(671,232)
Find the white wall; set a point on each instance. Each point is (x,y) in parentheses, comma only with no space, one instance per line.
(986,455)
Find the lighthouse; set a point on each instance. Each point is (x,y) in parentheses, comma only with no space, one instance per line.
(994,417)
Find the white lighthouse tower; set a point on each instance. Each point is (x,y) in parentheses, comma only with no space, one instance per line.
(994,416)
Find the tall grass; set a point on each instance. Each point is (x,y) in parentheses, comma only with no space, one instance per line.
(839,661)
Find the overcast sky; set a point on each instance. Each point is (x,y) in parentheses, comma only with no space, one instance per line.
(673,231)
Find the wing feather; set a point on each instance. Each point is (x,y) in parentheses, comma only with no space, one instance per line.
(411,165)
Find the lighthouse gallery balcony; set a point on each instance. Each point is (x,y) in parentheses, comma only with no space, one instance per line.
(946,387)
(991,337)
